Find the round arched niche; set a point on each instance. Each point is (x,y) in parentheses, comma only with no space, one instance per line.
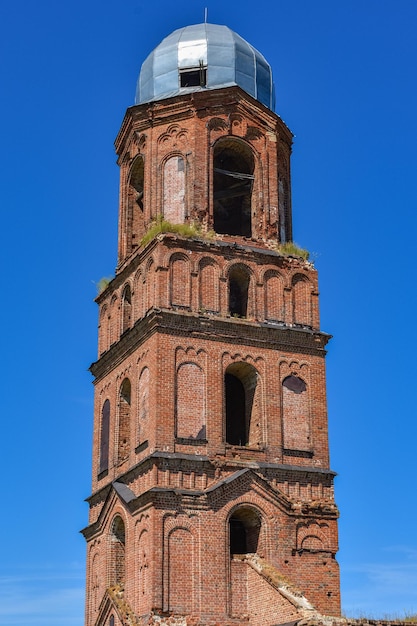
(243,405)
(245,524)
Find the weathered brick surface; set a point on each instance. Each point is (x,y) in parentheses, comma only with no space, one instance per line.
(210,424)
(175,140)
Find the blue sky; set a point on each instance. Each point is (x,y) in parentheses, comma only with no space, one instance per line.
(345,75)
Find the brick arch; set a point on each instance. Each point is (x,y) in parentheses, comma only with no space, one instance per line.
(209,285)
(238,125)
(181,579)
(228,267)
(180,280)
(296,413)
(258,362)
(124,373)
(234,163)
(186,353)
(217,124)
(241,294)
(135,210)
(301,289)
(104,443)
(124,420)
(190,410)
(116,563)
(284,212)
(113,320)
(174,198)
(96,584)
(312,536)
(173,134)
(138,292)
(104,329)
(126,307)
(274,303)
(269,510)
(142,421)
(180,586)
(143,569)
(243,392)
(295,366)
(149,285)
(255,527)
(252,520)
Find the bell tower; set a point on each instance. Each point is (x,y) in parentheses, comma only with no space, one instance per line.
(212,496)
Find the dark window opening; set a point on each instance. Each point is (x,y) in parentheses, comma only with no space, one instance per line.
(284,232)
(196,77)
(104,437)
(294,384)
(243,417)
(244,529)
(126,308)
(137,182)
(235,411)
(237,537)
(238,292)
(124,421)
(233,177)
(135,205)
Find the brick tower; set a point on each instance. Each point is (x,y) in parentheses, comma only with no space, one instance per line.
(212,498)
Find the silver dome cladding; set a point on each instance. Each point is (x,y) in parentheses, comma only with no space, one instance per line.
(225,58)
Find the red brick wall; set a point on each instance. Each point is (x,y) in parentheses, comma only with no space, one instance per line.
(265,605)
(166,326)
(188,127)
(194,274)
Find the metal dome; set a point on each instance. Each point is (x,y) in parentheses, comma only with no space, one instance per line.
(204,56)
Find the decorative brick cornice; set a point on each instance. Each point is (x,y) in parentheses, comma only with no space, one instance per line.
(214,328)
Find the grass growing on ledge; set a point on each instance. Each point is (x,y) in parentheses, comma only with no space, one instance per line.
(292,249)
(163,226)
(103,283)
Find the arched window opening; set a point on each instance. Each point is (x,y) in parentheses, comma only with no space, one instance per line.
(284,234)
(236,431)
(238,292)
(126,309)
(243,405)
(294,384)
(135,216)
(104,438)
(244,530)
(117,561)
(124,421)
(111,620)
(233,167)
